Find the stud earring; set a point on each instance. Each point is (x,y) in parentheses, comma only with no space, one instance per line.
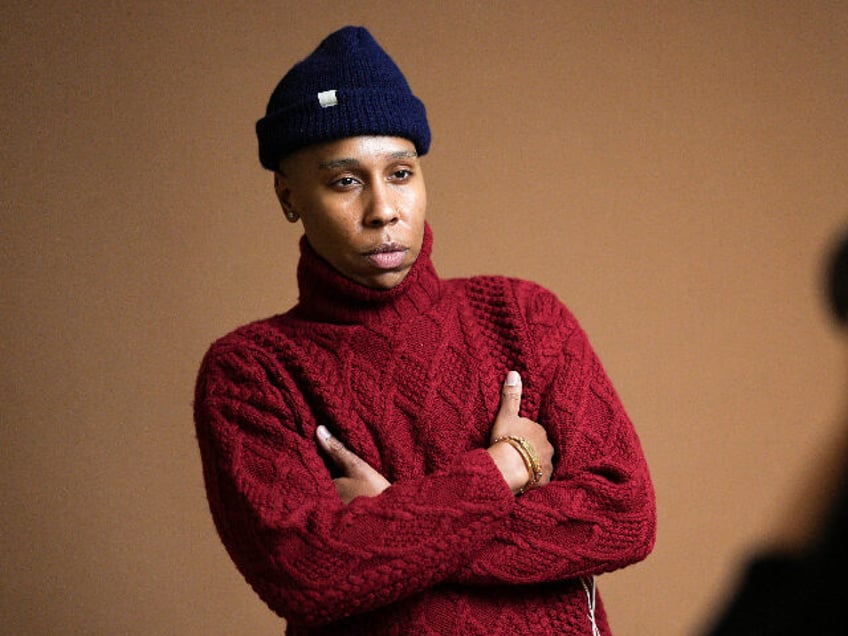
(292,216)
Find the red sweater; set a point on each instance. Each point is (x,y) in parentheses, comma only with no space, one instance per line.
(409,379)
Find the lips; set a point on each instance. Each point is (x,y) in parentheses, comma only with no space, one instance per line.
(387,255)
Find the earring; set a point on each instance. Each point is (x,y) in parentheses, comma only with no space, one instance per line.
(292,216)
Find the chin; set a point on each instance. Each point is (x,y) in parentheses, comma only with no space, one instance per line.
(385,281)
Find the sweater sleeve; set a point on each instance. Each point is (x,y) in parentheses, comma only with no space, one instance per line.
(312,559)
(598,512)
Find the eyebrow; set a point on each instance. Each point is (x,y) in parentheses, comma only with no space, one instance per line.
(335,164)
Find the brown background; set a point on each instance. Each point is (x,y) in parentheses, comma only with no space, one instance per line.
(672,170)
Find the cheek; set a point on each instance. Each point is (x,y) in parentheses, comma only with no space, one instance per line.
(415,202)
(422,201)
(327,229)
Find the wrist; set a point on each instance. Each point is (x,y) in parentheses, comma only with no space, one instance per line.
(509,463)
(529,461)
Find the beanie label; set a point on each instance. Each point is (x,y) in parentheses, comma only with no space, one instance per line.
(327,99)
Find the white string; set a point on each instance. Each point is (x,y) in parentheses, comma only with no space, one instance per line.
(590,599)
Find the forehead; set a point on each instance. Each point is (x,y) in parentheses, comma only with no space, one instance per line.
(351,151)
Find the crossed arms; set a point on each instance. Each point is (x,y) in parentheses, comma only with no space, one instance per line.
(318,548)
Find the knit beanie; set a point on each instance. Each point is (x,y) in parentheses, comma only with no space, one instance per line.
(348,86)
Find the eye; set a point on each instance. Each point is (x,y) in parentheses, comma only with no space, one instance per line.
(344,182)
(402,174)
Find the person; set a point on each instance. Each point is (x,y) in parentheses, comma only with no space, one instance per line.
(797,586)
(400,453)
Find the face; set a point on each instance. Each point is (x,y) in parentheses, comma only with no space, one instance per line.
(362,202)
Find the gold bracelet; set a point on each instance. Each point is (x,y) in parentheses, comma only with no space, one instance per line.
(528,456)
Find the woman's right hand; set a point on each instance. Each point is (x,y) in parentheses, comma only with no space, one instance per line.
(509,422)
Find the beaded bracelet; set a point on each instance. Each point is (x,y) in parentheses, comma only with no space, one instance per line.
(528,456)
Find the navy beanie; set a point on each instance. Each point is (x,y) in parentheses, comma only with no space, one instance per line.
(347,87)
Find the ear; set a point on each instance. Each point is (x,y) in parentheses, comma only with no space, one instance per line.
(283,191)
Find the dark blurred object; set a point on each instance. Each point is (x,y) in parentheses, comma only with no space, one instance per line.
(801,591)
(837,281)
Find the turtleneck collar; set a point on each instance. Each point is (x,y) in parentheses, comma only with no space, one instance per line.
(328,296)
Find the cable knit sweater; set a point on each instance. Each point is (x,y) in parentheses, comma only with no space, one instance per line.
(410,379)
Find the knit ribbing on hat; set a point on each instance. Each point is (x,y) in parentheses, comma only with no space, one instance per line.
(363,92)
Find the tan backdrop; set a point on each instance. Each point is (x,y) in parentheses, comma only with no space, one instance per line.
(672,170)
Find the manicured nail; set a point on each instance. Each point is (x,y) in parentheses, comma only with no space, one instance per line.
(322,432)
(512,379)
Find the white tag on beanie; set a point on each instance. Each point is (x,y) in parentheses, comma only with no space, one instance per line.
(327,99)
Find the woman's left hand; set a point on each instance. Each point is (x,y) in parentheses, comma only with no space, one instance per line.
(359,479)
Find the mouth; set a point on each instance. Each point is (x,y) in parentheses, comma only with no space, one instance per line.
(387,255)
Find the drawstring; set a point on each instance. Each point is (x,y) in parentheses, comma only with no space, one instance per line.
(590,599)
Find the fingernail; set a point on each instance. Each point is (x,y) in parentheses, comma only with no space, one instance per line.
(322,432)
(512,379)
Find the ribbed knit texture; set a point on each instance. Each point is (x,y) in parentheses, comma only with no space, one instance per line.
(410,380)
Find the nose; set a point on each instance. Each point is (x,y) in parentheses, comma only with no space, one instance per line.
(382,207)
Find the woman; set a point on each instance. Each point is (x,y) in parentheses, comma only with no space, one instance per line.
(402,454)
